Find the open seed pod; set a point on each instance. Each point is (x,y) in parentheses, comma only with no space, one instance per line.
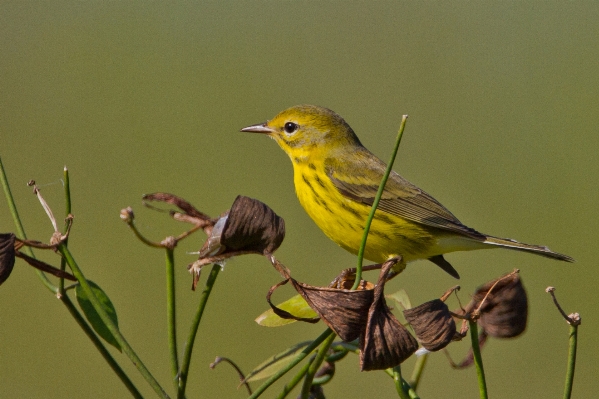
(344,311)
(385,342)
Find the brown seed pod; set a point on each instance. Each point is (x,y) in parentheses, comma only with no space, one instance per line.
(433,324)
(7,255)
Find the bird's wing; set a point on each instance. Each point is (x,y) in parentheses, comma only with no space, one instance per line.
(359,181)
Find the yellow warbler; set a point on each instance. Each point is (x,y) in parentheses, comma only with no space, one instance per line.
(336,179)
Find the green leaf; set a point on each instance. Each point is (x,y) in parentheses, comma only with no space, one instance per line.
(93,317)
(295,305)
(402,300)
(270,366)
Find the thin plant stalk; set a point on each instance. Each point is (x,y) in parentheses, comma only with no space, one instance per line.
(183,373)
(478,360)
(294,381)
(377,199)
(19,226)
(315,365)
(60,292)
(171,314)
(571,360)
(127,349)
(398,380)
(100,347)
(67,201)
(418,369)
(301,356)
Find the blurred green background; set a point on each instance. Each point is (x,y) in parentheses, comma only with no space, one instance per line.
(136,97)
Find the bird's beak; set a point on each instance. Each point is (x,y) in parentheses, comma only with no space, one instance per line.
(259,128)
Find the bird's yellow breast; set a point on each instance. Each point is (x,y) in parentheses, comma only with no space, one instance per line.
(343,219)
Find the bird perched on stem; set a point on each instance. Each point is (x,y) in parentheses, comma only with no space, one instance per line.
(336,179)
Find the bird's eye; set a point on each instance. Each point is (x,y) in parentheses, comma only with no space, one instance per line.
(290,127)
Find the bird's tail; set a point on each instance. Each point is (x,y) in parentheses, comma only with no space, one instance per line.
(520,246)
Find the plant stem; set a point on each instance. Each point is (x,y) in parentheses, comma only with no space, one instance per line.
(99,346)
(171,314)
(67,202)
(375,204)
(60,290)
(294,381)
(571,360)
(182,381)
(417,373)
(301,356)
(478,360)
(399,383)
(315,365)
(127,349)
(19,226)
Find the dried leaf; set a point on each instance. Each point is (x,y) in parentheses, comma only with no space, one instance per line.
(433,324)
(296,305)
(93,317)
(7,255)
(385,342)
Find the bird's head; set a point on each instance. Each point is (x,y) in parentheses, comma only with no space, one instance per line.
(307,131)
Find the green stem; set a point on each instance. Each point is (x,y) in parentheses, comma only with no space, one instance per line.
(67,197)
(100,347)
(127,349)
(398,380)
(19,226)
(171,314)
(478,360)
(315,365)
(294,381)
(417,373)
(375,204)
(182,381)
(571,361)
(60,290)
(301,356)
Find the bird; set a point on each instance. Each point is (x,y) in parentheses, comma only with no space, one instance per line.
(336,180)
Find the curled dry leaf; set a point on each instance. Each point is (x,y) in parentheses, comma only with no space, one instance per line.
(7,255)
(433,324)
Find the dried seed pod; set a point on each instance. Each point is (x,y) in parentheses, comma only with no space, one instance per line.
(249,226)
(252,226)
(385,342)
(345,311)
(433,324)
(7,255)
(504,310)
